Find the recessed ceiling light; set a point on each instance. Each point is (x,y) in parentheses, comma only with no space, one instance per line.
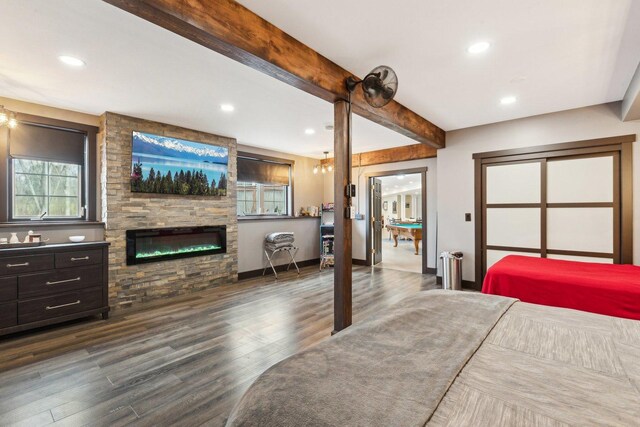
(309,131)
(400,176)
(410,182)
(478,47)
(227,108)
(71,60)
(508,100)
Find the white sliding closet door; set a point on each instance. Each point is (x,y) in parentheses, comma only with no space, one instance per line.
(568,201)
(581,208)
(557,207)
(513,215)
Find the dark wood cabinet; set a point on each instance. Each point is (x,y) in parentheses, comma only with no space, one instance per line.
(44,285)
(24,264)
(8,289)
(78,258)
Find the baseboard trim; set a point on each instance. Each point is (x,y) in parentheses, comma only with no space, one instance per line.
(279,268)
(359,262)
(466,284)
(431,270)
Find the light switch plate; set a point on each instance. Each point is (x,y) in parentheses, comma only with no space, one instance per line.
(351,212)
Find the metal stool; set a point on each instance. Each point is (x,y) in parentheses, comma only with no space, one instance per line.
(291,250)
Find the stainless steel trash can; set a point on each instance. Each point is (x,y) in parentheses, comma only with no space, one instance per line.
(451,270)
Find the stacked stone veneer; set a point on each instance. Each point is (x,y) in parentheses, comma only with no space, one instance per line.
(123,210)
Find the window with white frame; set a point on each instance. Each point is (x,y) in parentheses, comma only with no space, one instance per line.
(264,186)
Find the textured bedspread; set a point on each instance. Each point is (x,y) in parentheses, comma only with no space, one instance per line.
(548,366)
(389,371)
(447,358)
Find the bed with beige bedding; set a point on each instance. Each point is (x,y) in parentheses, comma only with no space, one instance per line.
(446,358)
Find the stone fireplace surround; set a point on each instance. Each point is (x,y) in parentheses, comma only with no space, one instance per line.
(122,210)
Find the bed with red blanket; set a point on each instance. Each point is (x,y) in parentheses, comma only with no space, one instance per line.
(608,289)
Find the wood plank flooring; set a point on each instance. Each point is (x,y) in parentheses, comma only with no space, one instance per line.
(184,363)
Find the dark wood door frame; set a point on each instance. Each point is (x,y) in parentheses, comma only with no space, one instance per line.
(375,209)
(423,183)
(620,147)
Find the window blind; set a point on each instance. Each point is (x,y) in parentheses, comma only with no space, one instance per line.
(45,143)
(263,172)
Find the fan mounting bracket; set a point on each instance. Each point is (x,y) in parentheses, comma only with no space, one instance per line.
(352,82)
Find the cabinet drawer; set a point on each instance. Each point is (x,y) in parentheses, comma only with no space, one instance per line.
(25,264)
(57,281)
(59,305)
(8,289)
(74,259)
(8,315)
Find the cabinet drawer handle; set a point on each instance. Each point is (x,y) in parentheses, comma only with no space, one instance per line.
(49,307)
(84,258)
(24,264)
(77,279)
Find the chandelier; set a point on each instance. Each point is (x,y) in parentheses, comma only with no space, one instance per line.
(8,118)
(324,169)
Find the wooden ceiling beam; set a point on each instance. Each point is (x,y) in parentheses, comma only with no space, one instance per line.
(229,28)
(389,155)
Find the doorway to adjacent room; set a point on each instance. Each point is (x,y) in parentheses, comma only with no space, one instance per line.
(396,218)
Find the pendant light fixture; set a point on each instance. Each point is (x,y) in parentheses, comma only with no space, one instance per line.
(322,168)
(8,118)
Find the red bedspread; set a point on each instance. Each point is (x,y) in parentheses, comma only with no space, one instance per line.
(608,289)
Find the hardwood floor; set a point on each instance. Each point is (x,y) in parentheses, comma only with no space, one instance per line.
(183,363)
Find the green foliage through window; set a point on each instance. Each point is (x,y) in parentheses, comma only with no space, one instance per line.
(51,187)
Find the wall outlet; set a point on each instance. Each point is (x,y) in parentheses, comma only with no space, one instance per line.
(467,217)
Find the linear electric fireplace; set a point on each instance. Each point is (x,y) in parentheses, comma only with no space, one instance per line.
(159,244)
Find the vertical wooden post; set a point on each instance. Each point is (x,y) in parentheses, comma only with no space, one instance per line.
(342,225)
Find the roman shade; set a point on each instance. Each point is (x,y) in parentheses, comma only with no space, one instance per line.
(263,171)
(47,143)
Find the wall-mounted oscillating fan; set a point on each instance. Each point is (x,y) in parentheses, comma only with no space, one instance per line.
(379,86)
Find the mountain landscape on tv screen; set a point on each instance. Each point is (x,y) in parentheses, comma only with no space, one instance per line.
(167,165)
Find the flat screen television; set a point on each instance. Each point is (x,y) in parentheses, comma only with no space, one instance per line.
(166,165)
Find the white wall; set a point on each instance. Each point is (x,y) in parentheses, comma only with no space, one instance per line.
(360,202)
(416,204)
(307,189)
(389,212)
(455,165)
(251,241)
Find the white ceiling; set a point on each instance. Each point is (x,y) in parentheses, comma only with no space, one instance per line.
(136,68)
(400,183)
(552,55)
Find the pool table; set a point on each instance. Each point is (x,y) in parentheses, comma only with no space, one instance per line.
(411,230)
